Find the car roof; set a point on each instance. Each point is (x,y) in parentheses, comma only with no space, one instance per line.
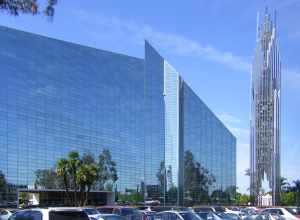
(55,209)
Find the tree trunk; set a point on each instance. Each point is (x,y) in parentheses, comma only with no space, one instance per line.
(87,194)
(67,189)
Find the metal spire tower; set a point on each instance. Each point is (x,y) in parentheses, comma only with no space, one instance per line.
(265,110)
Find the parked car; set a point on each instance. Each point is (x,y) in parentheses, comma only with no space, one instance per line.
(294,210)
(5,213)
(93,213)
(148,215)
(50,214)
(178,215)
(219,209)
(112,217)
(281,212)
(119,210)
(229,216)
(208,216)
(204,209)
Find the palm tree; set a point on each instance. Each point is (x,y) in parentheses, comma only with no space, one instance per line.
(73,165)
(85,178)
(62,171)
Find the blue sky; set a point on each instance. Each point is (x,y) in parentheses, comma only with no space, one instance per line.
(211,44)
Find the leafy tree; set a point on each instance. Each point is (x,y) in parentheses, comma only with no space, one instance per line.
(106,169)
(78,174)
(3,187)
(172,195)
(288,198)
(48,179)
(197,179)
(219,197)
(62,171)
(86,176)
(88,159)
(242,199)
(3,182)
(15,7)
(230,192)
(73,165)
(284,184)
(296,188)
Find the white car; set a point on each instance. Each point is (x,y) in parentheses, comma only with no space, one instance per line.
(282,212)
(93,214)
(50,214)
(5,213)
(177,215)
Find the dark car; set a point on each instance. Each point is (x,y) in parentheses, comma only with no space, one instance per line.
(208,216)
(112,217)
(204,209)
(229,216)
(219,209)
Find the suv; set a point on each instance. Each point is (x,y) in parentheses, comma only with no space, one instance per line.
(50,214)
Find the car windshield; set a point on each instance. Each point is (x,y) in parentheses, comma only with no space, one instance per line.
(189,216)
(67,215)
(91,211)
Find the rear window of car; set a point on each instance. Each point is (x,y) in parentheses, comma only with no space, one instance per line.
(68,215)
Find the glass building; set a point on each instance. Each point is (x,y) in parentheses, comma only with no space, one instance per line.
(57,96)
(266,112)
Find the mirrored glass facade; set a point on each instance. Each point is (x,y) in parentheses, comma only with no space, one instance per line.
(57,96)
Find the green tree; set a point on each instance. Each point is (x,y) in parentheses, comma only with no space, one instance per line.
(296,188)
(3,182)
(197,179)
(284,184)
(79,174)
(230,192)
(48,179)
(288,198)
(62,171)
(86,176)
(107,170)
(73,165)
(242,199)
(15,7)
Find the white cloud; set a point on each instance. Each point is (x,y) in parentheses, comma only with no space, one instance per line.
(116,29)
(228,118)
(173,43)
